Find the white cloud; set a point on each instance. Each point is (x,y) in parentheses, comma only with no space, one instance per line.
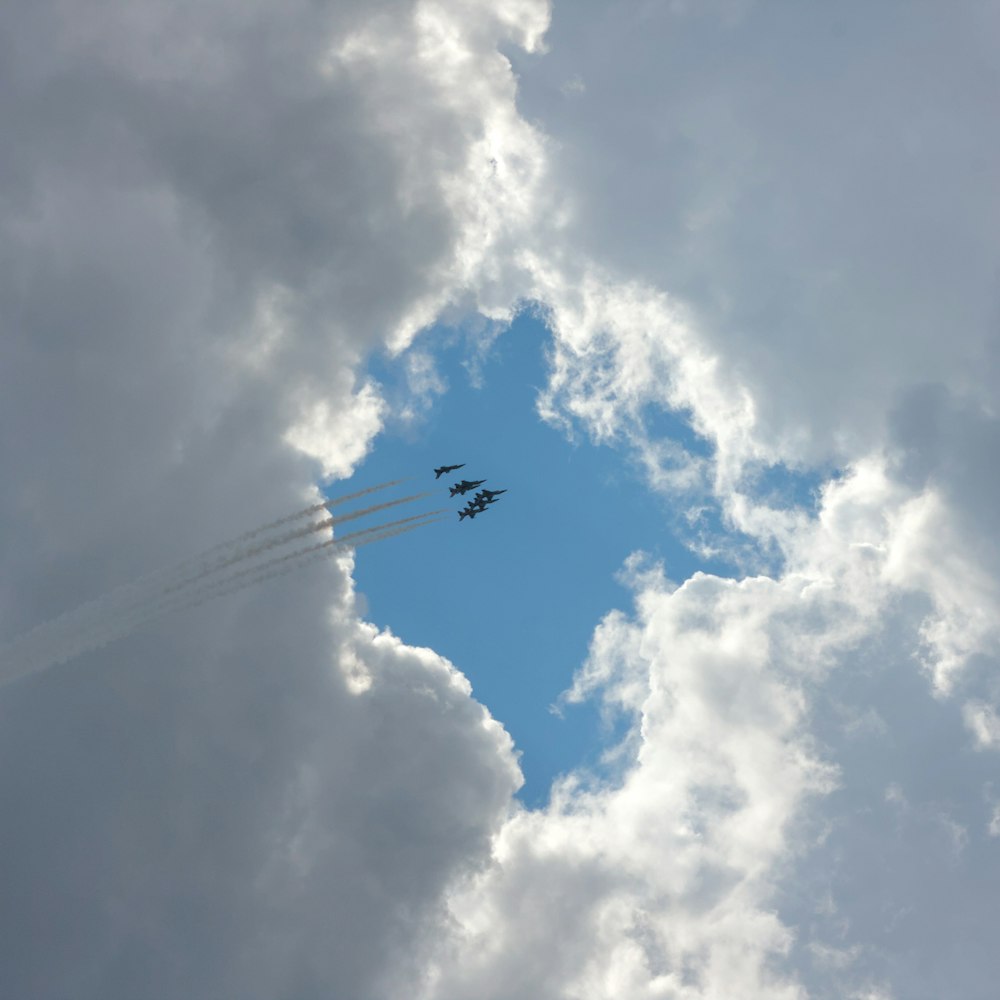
(663,884)
(675,879)
(873,993)
(705,163)
(984,722)
(336,440)
(212,213)
(574,87)
(746,264)
(994,827)
(799,320)
(202,235)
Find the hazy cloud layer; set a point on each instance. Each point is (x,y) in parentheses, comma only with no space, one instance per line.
(785,226)
(817,185)
(203,230)
(780,224)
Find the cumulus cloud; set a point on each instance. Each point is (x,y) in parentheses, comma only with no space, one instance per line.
(791,299)
(985,724)
(204,230)
(701,869)
(211,214)
(805,186)
(994,827)
(801,295)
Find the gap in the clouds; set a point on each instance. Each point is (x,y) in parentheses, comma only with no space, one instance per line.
(513,597)
(682,460)
(662,424)
(782,486)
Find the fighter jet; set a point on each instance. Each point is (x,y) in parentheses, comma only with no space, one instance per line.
(438,473)
(470,511)
(488,496)
(464,486)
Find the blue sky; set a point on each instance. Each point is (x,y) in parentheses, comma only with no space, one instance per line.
(574,513)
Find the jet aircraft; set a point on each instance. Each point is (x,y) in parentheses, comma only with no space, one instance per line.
(470,511)
(488,496)
(464,486)
(438,473)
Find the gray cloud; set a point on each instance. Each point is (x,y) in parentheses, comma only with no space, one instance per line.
(201,234)
(209,214)
(944,439)
(816,184)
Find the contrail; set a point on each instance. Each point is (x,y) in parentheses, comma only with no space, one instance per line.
(315,508)
(316,552)
(285,564)
(208,569)
(200,592)
(127,597)
(117,613)
(209,587)
(56,642)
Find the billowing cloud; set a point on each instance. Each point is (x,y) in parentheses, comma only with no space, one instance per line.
(662,885)
(819,200)
(778,225)
(203,231)
(759,836)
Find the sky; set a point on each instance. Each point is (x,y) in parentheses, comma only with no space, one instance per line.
(706,706)
(571,518)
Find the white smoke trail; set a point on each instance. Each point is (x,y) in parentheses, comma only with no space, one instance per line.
(283,565)
(115,614)
(202,590)
(72,627)
(317,553)
(249,536)
(215,566)
(123,616)
(305,512)
(198,592)
(70,635)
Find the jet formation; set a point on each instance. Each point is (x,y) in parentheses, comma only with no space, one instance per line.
(460,489)
(482,500)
